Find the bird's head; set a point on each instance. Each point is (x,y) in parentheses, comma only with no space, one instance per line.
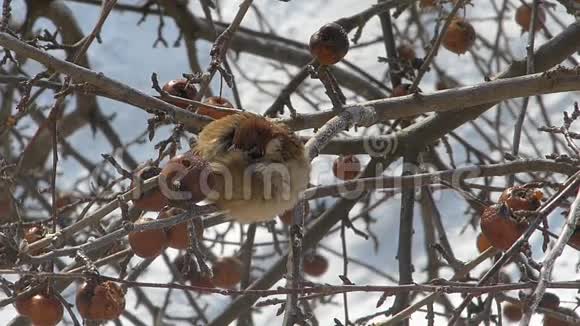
(262,140)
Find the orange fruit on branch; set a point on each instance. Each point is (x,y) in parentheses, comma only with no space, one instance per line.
(148,243)
(45,310)
(459,37)
(315,265)
(329,44)
(212,112)
(482,242)
(288,216)
(151,200)
(406,52)
(186,177)
(521,198)
(227,272)
(100,301)
(500,228)
(524,17)
(178,235)
(346,167)
(180,88)
(512,312)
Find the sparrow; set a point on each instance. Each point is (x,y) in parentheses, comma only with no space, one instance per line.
(260,166)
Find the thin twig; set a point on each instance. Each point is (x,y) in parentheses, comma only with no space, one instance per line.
(550,260)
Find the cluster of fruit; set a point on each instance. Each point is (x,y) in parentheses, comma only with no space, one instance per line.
(105,300)
(500,228)
(227,271)
(185,89)
(330,44)
(460,35)
(181,173)
(94,301)
(513,312)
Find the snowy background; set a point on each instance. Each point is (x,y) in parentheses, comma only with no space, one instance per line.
(126,54)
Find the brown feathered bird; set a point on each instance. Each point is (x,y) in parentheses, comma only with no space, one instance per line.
(260,165)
